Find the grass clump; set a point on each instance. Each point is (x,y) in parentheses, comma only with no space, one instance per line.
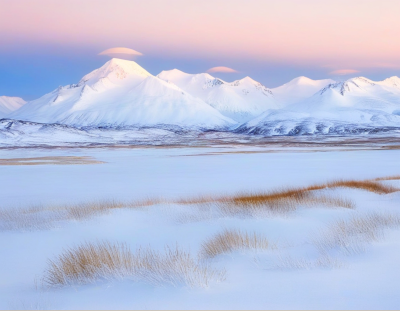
(232,240)
(46,217)
(350,236)
(281,202)
(368,185)
(92,262)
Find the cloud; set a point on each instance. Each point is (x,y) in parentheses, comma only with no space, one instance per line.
(343,72)
(120,51)
(221,69)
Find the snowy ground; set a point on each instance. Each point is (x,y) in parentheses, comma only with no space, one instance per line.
(294,274)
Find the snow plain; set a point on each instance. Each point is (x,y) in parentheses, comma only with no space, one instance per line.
(286,277)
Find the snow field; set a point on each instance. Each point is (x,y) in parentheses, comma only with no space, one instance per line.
(267,260)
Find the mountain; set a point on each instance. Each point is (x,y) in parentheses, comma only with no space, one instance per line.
(354,106)
(299,89)
(10,104)
(240,100)
(121,93)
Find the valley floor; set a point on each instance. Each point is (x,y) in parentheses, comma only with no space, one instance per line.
(332,246)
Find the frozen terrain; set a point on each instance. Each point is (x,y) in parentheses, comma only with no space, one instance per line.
(121,101)
(240,100)
(9,104)
(355,106)
(121,93)
(299,89)
(308,263)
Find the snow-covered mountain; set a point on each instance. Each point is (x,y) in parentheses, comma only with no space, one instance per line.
(353,106)
(240,100)
(299,89)
(121,93)
(10,104)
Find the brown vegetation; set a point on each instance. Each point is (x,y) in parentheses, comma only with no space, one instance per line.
(288,200)
(54,160)
(395,177)
(231,240)
(279,201)
(368,185)
(92,262)
(351,235)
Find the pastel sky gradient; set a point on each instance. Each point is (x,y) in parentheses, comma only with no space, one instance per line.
(45,43)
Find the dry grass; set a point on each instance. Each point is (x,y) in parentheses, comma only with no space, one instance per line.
(395,177)
(232,240)
(245,204)
(288,200)
(368,185)
(289,263)
(55,160)
(46,217)
(92,262)
(278,202)
(350,236)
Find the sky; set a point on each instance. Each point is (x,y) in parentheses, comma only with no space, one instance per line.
(47,43)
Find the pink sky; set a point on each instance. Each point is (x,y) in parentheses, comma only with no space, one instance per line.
(337,34)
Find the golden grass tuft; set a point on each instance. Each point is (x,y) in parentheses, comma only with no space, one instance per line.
(231,240)
(395,177)
(288,200)
(284,201)
(352,234)
(92,262)
(89,262)
(279,201)
(368,185)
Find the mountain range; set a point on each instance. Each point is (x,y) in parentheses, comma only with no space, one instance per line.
(121,94)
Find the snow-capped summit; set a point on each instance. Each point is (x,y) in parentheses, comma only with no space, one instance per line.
(117,71)
(355,105)
(121,93)
(359,84)
(299,89)
(240,100)
(391,82)
(10,104)
(354,93)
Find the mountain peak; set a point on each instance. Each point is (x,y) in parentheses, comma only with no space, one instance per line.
(116,69)
(177,75)
(250,80)
(9,104)
(392,81)
(301,80)
(350,85)
(361,81)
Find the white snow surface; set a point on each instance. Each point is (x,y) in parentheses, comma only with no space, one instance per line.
(287,277)
(121,93)
(354,103)
(299,89)
(240,100)
(9,104)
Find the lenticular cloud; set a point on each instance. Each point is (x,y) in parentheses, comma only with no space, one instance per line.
(125,51)
(221,69)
